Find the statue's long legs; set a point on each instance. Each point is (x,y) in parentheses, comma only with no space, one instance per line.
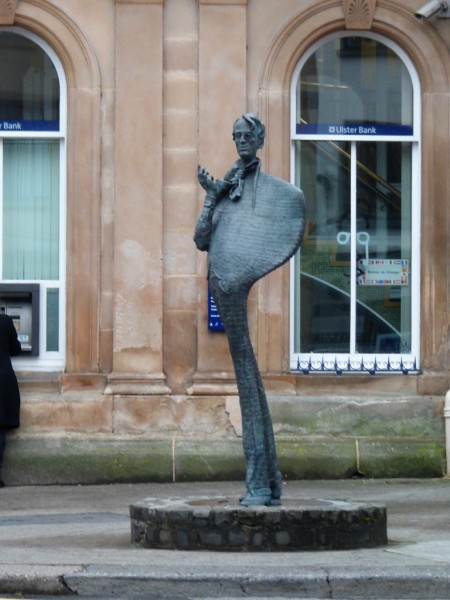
(263,479)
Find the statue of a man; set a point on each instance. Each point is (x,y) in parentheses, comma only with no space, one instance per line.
(251,223)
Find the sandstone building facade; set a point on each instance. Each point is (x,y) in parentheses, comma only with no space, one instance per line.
(106,110)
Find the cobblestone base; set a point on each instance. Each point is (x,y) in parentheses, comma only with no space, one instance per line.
(223,524)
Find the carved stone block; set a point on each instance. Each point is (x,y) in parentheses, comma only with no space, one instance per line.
(7,11)
(359,13)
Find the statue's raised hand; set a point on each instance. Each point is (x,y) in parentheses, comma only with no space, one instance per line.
(213,187)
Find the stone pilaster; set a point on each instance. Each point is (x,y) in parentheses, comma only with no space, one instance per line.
(222,98)
(180,189)
(138,290)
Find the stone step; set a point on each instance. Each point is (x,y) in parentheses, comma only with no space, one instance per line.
(86,459)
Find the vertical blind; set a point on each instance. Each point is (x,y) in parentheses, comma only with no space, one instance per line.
(31,209)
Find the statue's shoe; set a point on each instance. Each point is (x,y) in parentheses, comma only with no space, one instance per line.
(256,500)
(276,489)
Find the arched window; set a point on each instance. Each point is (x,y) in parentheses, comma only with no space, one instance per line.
(355,153)
(32,196)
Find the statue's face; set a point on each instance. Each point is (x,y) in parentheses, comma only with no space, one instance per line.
(246,140)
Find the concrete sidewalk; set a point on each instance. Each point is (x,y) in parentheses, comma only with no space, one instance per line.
(76,540)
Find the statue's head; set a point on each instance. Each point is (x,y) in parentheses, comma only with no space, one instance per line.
(248,135)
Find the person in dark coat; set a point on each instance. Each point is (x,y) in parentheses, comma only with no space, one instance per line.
(9,389)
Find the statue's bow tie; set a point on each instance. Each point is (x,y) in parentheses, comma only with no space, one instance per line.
(237,180)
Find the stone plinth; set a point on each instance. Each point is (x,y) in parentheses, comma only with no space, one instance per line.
(222,524)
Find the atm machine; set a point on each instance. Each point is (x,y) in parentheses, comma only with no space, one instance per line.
(21,303)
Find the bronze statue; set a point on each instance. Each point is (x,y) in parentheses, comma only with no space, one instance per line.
(251,223)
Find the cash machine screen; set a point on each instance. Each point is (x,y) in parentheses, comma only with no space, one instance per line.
(21,303)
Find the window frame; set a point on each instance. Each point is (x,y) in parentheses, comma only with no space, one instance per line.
(47,360)
(302,362)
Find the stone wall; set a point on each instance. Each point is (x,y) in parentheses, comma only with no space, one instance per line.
(154,87)
(93,438)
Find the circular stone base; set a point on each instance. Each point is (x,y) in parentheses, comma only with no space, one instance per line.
(206,523)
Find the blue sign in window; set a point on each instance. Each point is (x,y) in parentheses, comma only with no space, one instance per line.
(353,129)
(15,125)
(214,320)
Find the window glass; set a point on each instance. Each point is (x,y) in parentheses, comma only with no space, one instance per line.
(323,173)
(354,82)
(29,86)
(383,249)
(52,320)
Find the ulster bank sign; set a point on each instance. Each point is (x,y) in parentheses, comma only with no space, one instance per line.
(354,129)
